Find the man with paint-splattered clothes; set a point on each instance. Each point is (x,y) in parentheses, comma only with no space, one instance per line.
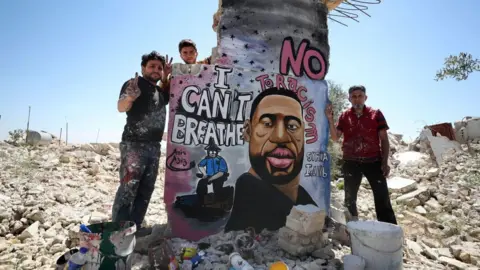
(145,105)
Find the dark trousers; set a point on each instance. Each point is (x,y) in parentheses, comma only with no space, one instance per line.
(353,172)
(217,184)
(138,174)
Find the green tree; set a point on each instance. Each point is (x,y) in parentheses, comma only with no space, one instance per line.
(339,99)
(458,67)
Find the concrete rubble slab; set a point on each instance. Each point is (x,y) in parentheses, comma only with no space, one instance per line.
(401,185)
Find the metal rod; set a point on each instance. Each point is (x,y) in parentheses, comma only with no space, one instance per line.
(66,133)
(60,138)
(98,133)
(28,124)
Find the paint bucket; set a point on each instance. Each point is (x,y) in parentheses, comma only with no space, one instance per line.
(62,262)
(380,244)
(352,262)
(279,266)
(109,245)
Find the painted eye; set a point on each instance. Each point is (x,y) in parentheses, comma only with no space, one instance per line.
(292,127)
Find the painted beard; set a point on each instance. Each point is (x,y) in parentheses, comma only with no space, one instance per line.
(259,165)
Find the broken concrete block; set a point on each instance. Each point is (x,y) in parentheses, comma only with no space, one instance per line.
(30,232)
(401,185)
(306,219)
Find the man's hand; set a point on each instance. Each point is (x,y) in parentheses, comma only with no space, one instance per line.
(329,112)
(167,68)
(385,169)
(133,91)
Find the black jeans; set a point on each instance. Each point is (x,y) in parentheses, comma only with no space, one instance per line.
(353,172)
(138,174)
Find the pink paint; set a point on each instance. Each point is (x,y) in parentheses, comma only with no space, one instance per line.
(300,61)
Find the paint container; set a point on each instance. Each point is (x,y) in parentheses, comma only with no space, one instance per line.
(109,244)
(62,262)
(279,266)
(238,263)
(161,255)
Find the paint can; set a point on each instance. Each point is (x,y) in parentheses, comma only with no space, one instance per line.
(238,263)
(109,244)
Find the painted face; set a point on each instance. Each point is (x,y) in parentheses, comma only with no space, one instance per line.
(357,98)
(153,70)
(212,153)
(276,139)
(189,55)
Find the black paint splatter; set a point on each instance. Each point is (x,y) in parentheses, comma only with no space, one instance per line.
(252,81)
(262,70)
(224,28)
(200,76)
(237,17)
(180,82)
(246,46)
(232,36)
(252,62)
(240,74)
(255,32)
(205,68)
(208,84)
(235,61)
(224,55)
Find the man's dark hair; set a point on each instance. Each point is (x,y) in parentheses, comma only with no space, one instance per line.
(186,43)
(357,87)
(273,91)
(152,56)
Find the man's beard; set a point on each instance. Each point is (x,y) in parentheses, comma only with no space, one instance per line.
(150,78)
(358,106)
(259,165)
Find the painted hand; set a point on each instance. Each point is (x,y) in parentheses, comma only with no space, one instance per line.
(133,91)
(385,169)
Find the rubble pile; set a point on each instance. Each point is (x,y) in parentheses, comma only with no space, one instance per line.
(47,192)
(436,203)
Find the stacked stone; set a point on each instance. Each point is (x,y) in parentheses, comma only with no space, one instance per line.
(302,233)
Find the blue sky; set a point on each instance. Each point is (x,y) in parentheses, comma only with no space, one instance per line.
(68,59)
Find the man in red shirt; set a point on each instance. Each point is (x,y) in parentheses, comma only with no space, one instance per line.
(365,152)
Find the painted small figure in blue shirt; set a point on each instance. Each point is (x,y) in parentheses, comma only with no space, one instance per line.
(214,170)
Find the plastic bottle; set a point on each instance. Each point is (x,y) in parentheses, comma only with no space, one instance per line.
(84,228)
(78,259)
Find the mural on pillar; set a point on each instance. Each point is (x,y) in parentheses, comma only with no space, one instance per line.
(247,136)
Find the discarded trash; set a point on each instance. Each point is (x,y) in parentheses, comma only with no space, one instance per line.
(109,244)
(279,266)
(63,260)
(78,259)
(238,263)
(161,255)
(245,243)
(84,228)
(225,248)
(187,265)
